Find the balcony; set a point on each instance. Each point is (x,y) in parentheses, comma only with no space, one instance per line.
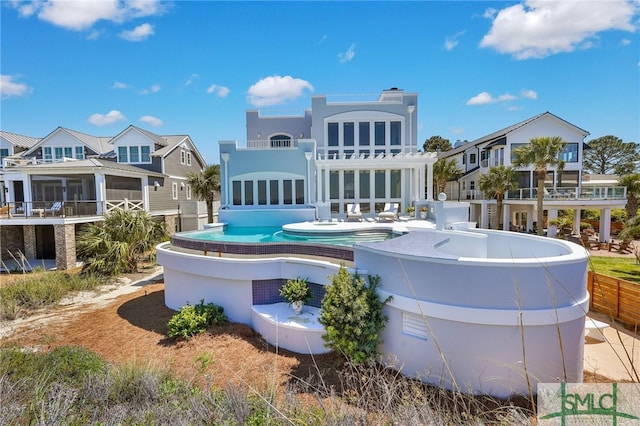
(276,143)
(65,209)
(559,193)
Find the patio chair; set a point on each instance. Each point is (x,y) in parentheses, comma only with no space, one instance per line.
(353,212)
(54,210)
(622,247)
(390,212)
(5,212)
(588,243)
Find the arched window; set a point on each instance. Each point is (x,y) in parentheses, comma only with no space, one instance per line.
(280,141)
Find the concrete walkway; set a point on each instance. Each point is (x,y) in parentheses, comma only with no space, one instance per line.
(617,357)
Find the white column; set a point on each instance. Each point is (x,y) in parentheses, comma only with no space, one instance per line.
(145,193)
(326,185)
(430,181)
(225,159)
(101,193)
(551,230)
(308,156)
(605,224)
(484,214)
(506,216)
(576,220)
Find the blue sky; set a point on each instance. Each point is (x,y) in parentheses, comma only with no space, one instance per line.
(187,67)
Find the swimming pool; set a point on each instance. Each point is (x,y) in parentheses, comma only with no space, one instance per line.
(276,234)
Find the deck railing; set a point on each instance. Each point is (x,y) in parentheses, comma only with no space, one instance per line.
(51,209)
(559,193)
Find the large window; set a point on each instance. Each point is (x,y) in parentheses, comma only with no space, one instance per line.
(349,134)
(134,156)
(237,192)
(396,137)
(349,185)
(62,152)
(137,154)
(365,184)
(248,193)
(145,154)
(380,129)
(287,191)
(274,195)
(334,185)
(396,181)
(364,134)
(570,153)
(4,152)
(380,190)
(262,192)
(123,157)
(332,134)
(299,191)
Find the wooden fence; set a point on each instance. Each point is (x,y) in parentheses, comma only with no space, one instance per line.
(617,298)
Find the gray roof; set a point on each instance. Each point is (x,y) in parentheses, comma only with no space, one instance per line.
(501,133)
(93,163)
(99,144)
(19,140)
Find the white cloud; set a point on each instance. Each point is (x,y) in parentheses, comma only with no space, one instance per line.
(451,42)
(529,94)
(625,42)
(539,28)
(9,87)
(323,38)
(82,14)
(348,55)
(153,89)
(485,98)
(191,79)
(154,121)
(221,91)
(120,85)
(105,119)
(139,33)
(276,90)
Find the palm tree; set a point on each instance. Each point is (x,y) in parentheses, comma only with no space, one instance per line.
(205,185)
(116,246)
(632,182)
(443,171)
(494,184)
(542,153)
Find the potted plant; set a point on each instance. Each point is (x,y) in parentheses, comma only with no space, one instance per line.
(423,212)
(411,210)
(297,292)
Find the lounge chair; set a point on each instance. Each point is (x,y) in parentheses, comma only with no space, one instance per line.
(5,212)
(588,243)
(390,212)
(353,212)
(54,210)
(624,246)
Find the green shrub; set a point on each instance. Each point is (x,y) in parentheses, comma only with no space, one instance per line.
(295,290)
(190,320)
(352,315)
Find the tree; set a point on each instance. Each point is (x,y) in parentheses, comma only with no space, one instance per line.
(542,153)
(610,155)
(117,245)
(494,184)
(436,144)
(445,170)
(632,182)
(205,185)
(352,315)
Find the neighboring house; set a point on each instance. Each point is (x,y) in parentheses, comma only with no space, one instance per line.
(11,145)
(337,153)
(69,178)
(563,190)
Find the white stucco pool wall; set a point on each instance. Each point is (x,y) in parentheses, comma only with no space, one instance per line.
(463,302)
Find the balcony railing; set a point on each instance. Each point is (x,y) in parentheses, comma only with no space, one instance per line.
(265,144)
(65,209)
(559,193)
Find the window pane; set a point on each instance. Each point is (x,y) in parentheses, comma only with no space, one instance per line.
(237,193)
(380,130)
(332,134)
(363,137)
(395,183)
(379,184)
(79,153)
(188,158)
(365,191)
(122,154)
(287,191)
(248,192)
(349,189)
(274,197)
(334,185)
(145,154)
(47,153)
(174,190)
(68,152)
(182,157)
(570,153)
(299,191)
(348,134)
(58,151)
(395,133)
(133,154)
(262,192)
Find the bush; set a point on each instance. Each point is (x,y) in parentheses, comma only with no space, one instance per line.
(191,320)
(352,316)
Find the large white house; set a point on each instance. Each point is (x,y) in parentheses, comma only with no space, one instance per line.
(566,189)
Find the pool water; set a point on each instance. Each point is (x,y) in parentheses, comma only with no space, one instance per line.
(275,234)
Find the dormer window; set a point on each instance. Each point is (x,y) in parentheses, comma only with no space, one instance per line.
(134,154)
(58,153)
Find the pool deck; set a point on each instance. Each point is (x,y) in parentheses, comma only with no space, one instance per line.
(400,226)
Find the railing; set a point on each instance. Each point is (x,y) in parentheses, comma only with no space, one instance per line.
(12,162)
(65,209)
(265,144)
(620,299)
(568,193)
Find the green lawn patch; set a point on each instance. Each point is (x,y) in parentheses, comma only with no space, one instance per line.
(620,267)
